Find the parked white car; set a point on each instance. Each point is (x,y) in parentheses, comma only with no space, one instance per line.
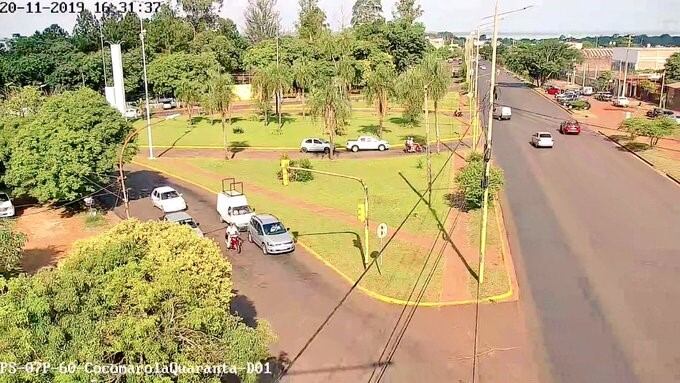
(233,207)
(367,143)
(502,112)
(587,91)
(542,140)
(182,218)
(315,145)
(168,199)
(131,113)
(6,207)
(620,101)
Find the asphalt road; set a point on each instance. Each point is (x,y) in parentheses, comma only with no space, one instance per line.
(295,293)
(595,235)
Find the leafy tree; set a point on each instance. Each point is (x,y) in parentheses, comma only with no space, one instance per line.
(603,80)
(189,93)
(22,102)
(407,11)
(168,33)
(330,101)
(201,13)
(262,20)
(280,77)
(469,182)
(303,76)
(438,79)
(543,60)
(652,129)
(380,85)
(672,67)
(366,12)
(121,27)
(86,32)
(264,85)
(134,73)
(634,126)
(166,72)
(405,42)
(312,20)
(220,97)
(140,293)
(226,52)
(11,245)
(411,92)
(68,148)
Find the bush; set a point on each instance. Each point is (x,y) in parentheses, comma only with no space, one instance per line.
(238,130)
(11,243)
(580,105)
(469,181)
(297,175)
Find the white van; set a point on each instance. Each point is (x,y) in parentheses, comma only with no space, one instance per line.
(502,112)
(233,207)
(587,91)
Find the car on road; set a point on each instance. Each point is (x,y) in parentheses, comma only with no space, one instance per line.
(658,112)
(6,206)
(183,218)
(367,143)
(621,101)
(315,145)
(603,96)
(542,140)
(131,113)
(168,103)
(233,207)
(502,112)
(267,232)
(168,199)
(570,127)
(552,90)
(482,67)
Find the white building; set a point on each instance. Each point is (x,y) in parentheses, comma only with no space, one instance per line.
(641,58)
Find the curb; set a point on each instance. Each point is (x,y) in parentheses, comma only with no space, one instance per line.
(639,157)
(383,298)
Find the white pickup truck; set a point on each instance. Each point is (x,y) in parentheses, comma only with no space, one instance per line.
(367,143)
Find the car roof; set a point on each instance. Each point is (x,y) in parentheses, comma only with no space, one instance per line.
(543,133)
(266,218)
(164,189)
(178,216)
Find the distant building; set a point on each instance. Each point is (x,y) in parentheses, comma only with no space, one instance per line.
(641,59)
(673,96)
(574,44)
(437,42)
(595,61)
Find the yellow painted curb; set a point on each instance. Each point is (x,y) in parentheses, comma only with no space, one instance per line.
(219,147)
(370,293)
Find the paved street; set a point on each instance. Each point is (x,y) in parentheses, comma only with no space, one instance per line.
(295,293)
(594,233)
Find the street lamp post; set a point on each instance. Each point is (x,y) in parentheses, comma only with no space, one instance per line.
(146,91)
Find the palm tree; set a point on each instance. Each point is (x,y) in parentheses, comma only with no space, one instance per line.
(187,92)
(264,87)
(219,98)
(329,99)
(269,80)
(380,83)
(283,81)
(438,80)
(303,75)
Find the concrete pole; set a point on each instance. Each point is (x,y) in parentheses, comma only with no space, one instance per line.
(663,83)
(584,75)
(625,71)
(427,147)
(146,90)
(475,122)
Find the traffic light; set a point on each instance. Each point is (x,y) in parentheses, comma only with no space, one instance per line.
(284,171)
(361,212)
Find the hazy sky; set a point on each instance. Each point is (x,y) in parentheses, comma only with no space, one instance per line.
(546,17)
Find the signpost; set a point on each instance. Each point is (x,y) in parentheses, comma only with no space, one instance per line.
(382,233)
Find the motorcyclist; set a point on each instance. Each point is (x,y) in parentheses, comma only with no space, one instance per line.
(232,232)
(409,143)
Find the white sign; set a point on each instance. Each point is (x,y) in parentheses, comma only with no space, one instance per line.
(382,230)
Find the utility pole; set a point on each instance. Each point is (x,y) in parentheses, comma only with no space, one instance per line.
(487,151)
(427,148)
(278,89)
(146,90)
(663,83)
(625,70)
(475,122)
(584,75)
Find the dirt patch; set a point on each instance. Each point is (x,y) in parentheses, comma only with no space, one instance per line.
(51,234)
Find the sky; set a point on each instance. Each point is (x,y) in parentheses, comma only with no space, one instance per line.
(546,17)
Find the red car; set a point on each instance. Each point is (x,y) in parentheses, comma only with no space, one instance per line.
(552,90)
(570,127)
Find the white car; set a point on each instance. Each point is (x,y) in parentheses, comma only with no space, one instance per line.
(542,140)
(482,67)
(620,101)
(6,207)
(315,145)
(367,143)
(131,113)
(168,199)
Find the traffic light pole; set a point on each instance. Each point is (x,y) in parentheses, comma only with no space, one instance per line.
(285,168)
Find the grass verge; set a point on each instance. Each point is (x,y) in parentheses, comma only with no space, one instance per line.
(495,275)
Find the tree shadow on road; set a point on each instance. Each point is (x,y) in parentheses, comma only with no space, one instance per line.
(241,306)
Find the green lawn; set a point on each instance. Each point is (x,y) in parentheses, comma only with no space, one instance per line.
(337,241)
(495,275)
(206,132)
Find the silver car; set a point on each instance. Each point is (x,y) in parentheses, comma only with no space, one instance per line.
(183,218)
(267,232)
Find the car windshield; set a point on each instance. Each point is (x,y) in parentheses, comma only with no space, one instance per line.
(169,195)
(545,135)
(241,210)
(189,222)
(4,197)
(274,228)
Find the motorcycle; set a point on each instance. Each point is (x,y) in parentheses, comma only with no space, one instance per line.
(414,148)
(458,113)
(236,243)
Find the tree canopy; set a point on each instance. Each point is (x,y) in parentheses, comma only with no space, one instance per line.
(407,11)
(141,293)
(542,60)
(672,67)
(168,71)
(11,244)
(366,12)
(262,20)
(311,20)
(67,149)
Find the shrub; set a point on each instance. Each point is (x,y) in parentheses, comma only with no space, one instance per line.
(469,181)
(580,105)
(297,175)
(238,130)
(11,243)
